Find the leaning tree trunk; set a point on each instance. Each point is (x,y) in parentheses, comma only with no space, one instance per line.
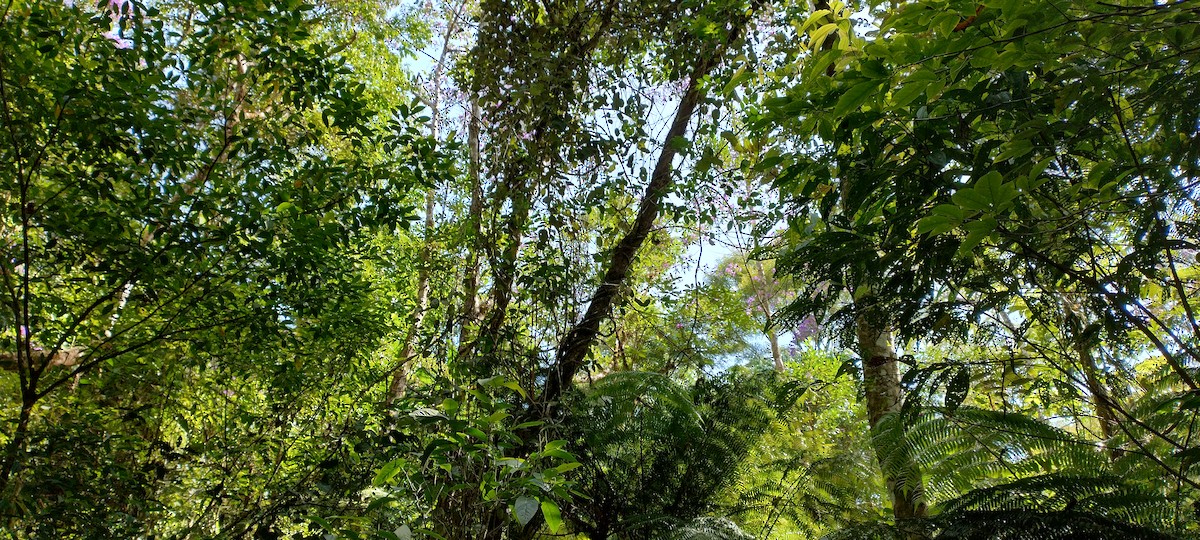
(881,387)
(1081,338)
(1102,400)
(573,349)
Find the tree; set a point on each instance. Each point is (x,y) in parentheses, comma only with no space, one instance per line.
(964,148)
(183,197)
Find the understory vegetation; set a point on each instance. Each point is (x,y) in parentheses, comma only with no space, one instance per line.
(599,269)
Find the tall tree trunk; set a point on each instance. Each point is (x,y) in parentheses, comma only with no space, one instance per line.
(768,295)
(1082,341)
(505,267)
(471,314)
(1102,401)
(519,184)
(776,354)
(574,347)
(400,376)
(884,396)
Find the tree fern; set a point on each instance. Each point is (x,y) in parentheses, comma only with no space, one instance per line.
(1102,496)
(972,447)
(657,454)
(991,474)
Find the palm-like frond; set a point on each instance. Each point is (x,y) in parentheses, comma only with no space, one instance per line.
(957,451)
(658,454)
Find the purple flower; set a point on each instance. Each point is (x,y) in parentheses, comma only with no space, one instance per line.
(805,329)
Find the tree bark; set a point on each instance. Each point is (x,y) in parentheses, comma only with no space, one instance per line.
(399,382)
(1102,401)
(776,354)
(769,294)
(471,314)
(884,396)
(573,349)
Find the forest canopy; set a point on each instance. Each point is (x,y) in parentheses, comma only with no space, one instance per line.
(599,269)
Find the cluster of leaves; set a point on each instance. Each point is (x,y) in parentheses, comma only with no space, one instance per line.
(185,308)
(206,280)
(455,466)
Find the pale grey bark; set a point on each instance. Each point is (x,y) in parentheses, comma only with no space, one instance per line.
(412,338)
(884,396)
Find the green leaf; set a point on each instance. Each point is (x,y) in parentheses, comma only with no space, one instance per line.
(552,515)
(813,18)
(381,502)
(998,193)
(951,212)
(322,522)
(817,40)
(1189,455)
(739,77)
(1029,181)
(1190,401)
(1095,177)
(477,433)
(512,385)
(970,199)
(935,225)
(388,472)
(768,162)
(854,97)
(977,232)
(957,388)
(495,417)
(1015,149)
(907,93)
(570,466)
(525,508)
(560,454)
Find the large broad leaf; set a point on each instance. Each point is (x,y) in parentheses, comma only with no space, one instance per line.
(909,92)
(999,193)
(552,515)
(854,97)
(977,232)
(525,508)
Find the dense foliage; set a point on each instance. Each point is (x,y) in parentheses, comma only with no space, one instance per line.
(698,269)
